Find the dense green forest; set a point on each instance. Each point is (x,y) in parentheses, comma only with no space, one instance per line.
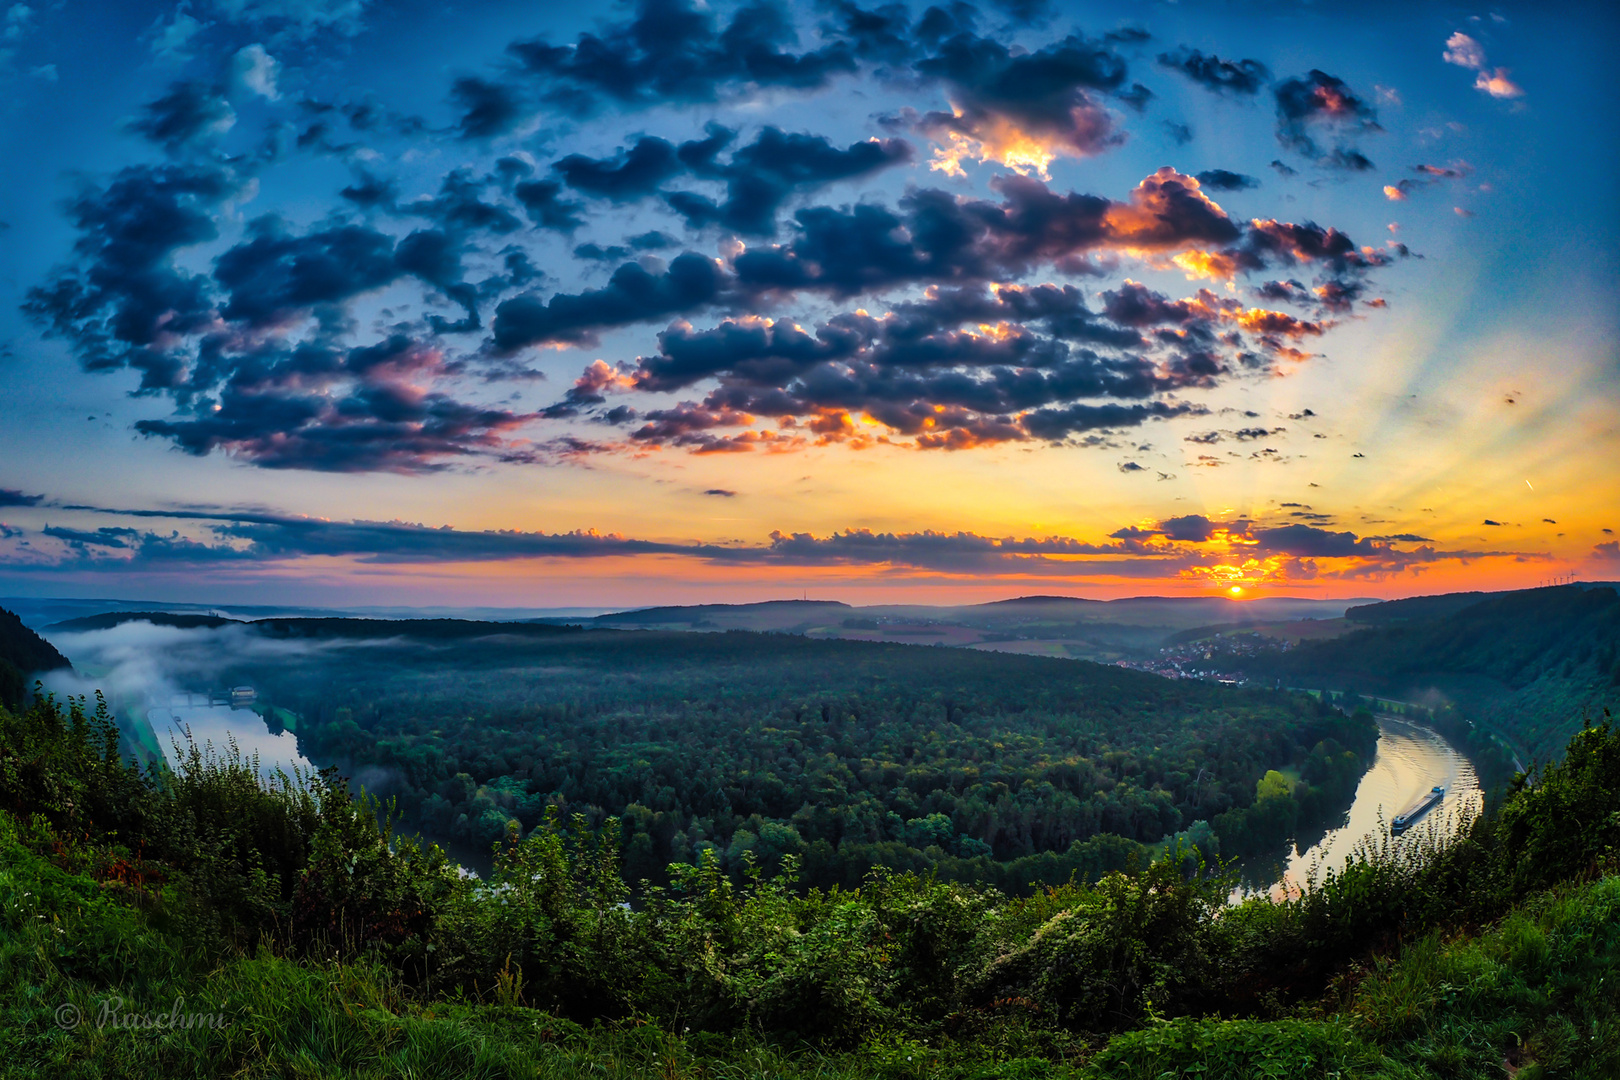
(199,922)
(980,766)
(22,653)
(1526,666)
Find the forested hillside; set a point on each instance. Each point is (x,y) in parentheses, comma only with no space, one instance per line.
(982,766)
(196,922)
(1528,665)
(23,654)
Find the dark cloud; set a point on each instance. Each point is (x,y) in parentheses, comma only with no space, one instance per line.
(1426,176)
(1190,528)
(370,192)
(1128,35)
(1344,265)
(652,241)
(1319,102)
(1026,12)
(333,410)
(964,365)
(761,176)
(1134,304)
(913,371)
(598,253)
(126,301)
(1307,541)
(105,537)
(1213,73)
(939,550)
(1222,180)
(434,256)
(272,538)
(460,206)
(671,51)
(767,352)
(936,237)
(1059,423)
(722,492)
(264,356)
(632,295)
(1180,134)
(1062,313)
(631,174)
(275,274)
(1290,290)
(249,353)
(189,114)
(543,203)
(13,497)
(1051,95)
(487,108)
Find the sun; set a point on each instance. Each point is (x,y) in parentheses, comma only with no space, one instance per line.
(1236,590)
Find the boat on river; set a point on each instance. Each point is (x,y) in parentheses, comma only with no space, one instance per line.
(1408,817)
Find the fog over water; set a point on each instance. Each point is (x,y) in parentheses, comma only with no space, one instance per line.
(148,671)
(1410,760)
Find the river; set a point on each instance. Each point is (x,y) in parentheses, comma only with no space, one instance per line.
(1410,759)
(216,725)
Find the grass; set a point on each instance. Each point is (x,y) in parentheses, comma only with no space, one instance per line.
(1349,980)
(1535,996)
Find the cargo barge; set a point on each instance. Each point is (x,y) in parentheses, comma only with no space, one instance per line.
(1407,818)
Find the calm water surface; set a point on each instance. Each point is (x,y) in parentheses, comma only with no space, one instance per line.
(1410,760)
(216,725)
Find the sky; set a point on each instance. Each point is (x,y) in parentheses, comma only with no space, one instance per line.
(508,304)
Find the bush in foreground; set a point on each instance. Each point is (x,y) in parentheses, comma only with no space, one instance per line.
(282,906)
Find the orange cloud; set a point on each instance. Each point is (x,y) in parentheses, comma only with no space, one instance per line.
(1166,211)
(1262,321)
(995,138)
(1497,84)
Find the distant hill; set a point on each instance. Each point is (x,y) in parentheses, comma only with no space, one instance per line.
(1417,608)
(109,619)
(1036,601)
(23,654)
(766,615)
(333,627)
(415,629)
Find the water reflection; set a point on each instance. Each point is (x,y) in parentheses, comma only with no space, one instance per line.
(218,725)
(1410,760)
